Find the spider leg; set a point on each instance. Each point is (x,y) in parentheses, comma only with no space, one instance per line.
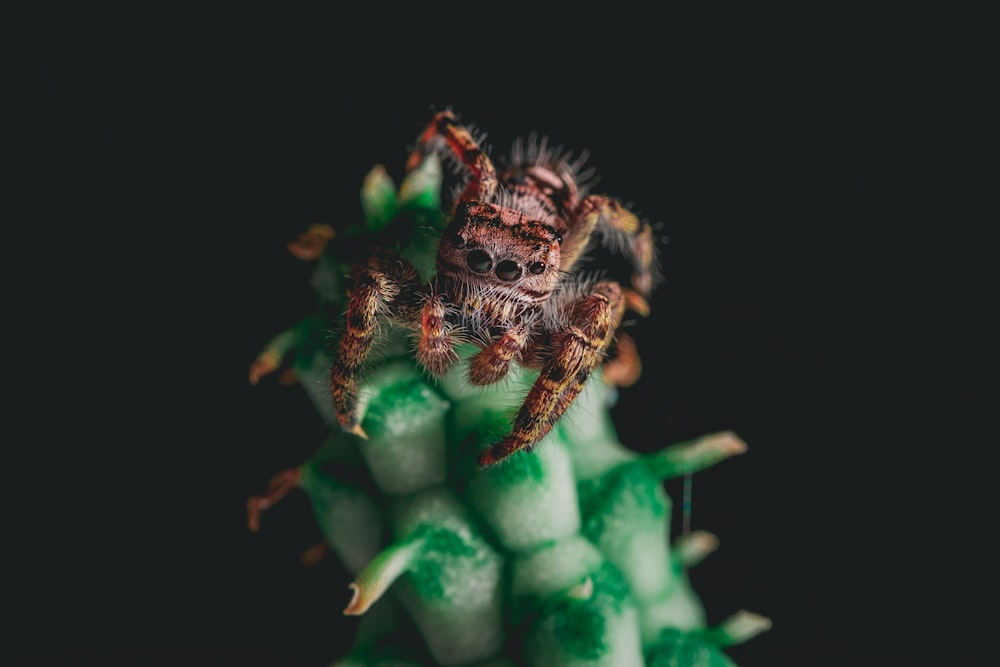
(492,362)
(445,128)
(624,367)
(623,232)
(577,349)
(385,285)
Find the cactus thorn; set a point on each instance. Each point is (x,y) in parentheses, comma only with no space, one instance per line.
(692,548)
(277,488)
(740,627)
(582,591)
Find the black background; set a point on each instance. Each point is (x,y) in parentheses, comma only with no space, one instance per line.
(826,178)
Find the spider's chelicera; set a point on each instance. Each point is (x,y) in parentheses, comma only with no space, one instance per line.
(505,280)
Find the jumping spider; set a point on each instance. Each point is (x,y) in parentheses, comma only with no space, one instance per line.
(504,280)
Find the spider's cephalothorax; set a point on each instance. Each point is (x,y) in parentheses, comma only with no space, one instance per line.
(505,280)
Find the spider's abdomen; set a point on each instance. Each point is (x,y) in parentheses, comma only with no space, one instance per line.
(554,192)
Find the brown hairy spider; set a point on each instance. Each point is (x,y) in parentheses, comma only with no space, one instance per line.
(505,280)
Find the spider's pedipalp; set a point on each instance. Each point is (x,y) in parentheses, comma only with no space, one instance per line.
(493,361)
(436,344)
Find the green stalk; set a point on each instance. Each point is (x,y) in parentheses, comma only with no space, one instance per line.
(557,557)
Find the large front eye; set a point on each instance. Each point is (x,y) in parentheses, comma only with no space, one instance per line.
(508,270)
(479,261)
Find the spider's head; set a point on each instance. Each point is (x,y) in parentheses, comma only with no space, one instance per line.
(495,246)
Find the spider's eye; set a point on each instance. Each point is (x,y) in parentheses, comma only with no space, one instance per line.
(479,261)
(457,241)
(559,239)
(536,268)
(508,270)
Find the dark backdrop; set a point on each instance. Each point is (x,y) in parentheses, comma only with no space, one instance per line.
(826,178)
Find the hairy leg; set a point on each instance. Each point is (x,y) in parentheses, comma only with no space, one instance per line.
(577,349)
(385,285)
(445,128)
(624,233)
(624,367)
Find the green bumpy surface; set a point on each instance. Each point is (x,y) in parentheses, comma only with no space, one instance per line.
(556,557)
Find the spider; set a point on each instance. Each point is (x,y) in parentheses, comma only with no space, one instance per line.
(505,280)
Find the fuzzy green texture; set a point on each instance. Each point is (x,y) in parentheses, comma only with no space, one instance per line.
(555,557)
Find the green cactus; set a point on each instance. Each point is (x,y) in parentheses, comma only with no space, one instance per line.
(556,557)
